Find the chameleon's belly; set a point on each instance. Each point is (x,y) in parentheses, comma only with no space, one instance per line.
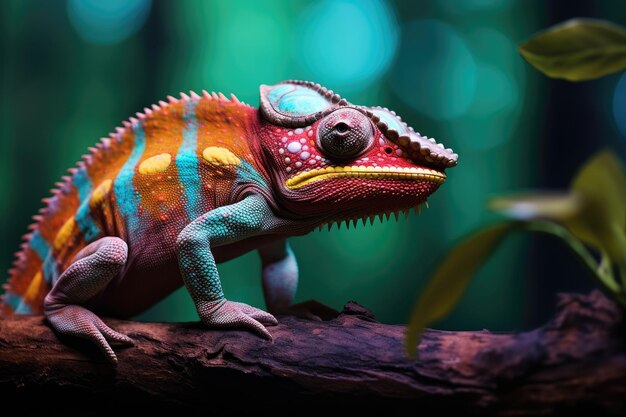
(152,273)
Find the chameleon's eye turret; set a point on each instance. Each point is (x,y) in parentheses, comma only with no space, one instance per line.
(345,134)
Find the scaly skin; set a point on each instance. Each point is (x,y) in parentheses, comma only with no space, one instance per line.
(200,180)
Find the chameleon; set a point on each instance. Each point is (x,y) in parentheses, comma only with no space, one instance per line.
(204,178)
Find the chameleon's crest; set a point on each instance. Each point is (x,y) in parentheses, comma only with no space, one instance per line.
(297,103)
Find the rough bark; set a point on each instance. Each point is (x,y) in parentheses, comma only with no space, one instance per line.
(574,365)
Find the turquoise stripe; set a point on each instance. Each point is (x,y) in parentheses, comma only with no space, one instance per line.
(86,224)
(39,245)
(50,271)
(187,162)
(43,250)
(128,200)
(23,308)
(83,184)
(12,300)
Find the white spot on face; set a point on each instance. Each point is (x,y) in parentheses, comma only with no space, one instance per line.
(312,161)
(288,160)
(299,131)
(310,133)
(281,151)
(284,140)
(304,155)
(298,164)
(305,148)
(290,133)
(381,142)
(307,128)
(302,140)
(288,169)
(399,152)
(318,157)
(294,147)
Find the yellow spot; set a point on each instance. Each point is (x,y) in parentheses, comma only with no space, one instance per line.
(220,156)
(100,193)
(33,287)
(64,234)
(155,164)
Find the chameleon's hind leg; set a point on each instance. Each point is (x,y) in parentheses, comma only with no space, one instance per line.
(92,270)
(280,281)
(280,276)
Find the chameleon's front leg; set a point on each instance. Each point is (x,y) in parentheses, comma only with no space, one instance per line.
(221,226)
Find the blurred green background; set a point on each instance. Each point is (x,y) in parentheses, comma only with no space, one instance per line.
(72,70)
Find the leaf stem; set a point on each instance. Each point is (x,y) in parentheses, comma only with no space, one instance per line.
(603,271)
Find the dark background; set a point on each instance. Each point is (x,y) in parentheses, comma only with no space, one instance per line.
(71,71)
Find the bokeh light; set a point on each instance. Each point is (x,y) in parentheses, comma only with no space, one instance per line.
(347,43)
(619,104)
(107,22)
(248,45)
(435,72)
(497,91)
(464,6)
(492,116)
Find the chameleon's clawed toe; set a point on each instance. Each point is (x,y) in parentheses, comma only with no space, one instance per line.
(257,314)
(225,314)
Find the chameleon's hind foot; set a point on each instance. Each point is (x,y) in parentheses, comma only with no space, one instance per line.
(77,321)
(225,313)
(91,272)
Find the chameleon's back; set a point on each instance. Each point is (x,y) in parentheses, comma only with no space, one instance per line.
(144,184)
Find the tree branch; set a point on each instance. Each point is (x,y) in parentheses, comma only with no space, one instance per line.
(574,365)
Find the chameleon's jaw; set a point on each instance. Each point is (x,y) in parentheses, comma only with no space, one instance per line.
(366,172)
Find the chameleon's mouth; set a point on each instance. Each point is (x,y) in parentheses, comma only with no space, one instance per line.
(393,173)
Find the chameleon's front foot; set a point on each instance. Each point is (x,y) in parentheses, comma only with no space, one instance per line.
(225,313)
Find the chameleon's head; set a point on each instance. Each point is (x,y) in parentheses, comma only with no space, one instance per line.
(333,160)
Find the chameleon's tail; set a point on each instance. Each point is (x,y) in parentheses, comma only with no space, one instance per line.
(26,287)
(36,266)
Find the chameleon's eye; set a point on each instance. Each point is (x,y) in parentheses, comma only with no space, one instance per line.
(345,134)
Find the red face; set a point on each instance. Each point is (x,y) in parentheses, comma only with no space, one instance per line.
(343,161)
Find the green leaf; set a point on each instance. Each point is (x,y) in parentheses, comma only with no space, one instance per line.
(556,207)
(601,222)
(602,271)
(450,280)
(578,49)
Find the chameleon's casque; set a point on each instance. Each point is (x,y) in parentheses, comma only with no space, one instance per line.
(199,180)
